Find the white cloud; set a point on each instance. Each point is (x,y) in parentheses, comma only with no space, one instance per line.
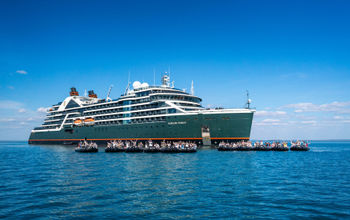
(270,113)
(21,110)
(339,107)
(23,72)
(42,109)
(7,119)
(10,105)
(271,120)
(304,118)
(308,122)
(270,123)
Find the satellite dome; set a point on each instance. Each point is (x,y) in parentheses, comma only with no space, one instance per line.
(144,85)
(136,85)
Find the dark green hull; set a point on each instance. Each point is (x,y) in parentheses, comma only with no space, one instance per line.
(228,127)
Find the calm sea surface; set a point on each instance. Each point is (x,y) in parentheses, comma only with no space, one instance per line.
(55,182)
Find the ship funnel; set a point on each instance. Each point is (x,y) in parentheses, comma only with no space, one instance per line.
(92,94)
(73,92)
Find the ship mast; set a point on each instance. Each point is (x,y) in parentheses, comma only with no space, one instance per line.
(192,88)
(128,86)
(249,101)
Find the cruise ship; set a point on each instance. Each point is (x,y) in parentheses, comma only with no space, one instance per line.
(142,113)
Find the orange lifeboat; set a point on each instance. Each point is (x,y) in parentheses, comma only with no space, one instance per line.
(89,121)
(78,122)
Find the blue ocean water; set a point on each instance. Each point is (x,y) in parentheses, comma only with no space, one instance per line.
(56,182)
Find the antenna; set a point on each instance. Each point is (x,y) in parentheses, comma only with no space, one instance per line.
(127,89)
(192,88)
(128,86)
(249,101)
(109,92)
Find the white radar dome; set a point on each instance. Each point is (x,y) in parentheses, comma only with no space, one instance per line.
(136,85)
(144,85)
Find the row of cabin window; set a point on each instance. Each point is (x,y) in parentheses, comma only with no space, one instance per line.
(171,97)
(108,117)
(121,110)
(105,106)
(146,93)
(55,120)
(133,114)
(167,91)
(104,111)
(140,101)
(143,120)
(46,127)
(134,121)
(52,122)
(157,112)
(104,129)
(119,104)
(141,107)
(140,94)
(186,104)
(57,117)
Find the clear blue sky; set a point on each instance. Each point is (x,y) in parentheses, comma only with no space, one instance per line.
(293,57)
